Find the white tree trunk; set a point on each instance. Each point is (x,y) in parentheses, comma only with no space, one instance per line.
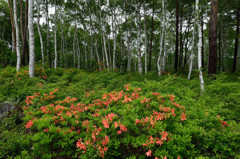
(31,39)
(114,36)
(17,35)
(192,52)
(55,36)
(138,38)
(145,31)
(103,35)
(130,48)
(161,41)
(78,53)
(13,47)
(39,32)
(96,49)
(48,39)
(165,40)
(165,51)
(74,43)
(199,48)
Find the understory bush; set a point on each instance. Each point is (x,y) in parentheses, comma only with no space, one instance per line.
(67,113)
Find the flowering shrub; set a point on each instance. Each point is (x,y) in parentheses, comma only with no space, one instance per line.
(122,123)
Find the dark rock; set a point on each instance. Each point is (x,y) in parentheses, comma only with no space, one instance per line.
(5,108)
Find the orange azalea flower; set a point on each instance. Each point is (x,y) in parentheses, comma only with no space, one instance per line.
(29,124)
(105,123)
(149,153)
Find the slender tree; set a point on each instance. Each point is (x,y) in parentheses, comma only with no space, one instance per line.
(199,48)
(212,60)
(17,35)
(138,16)
(236,42)
(176,44)
(145,31)
(12,24)
(31,39)
(40,33)
(161,41)
(151,42)
(55,35)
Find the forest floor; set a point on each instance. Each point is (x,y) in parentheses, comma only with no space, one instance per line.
(206,126)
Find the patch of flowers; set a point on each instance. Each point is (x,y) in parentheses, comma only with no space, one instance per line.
(118,124)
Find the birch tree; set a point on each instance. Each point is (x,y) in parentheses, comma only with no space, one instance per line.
(199,48)
(31,39)
(192,52)
(103,35)
(40,33)
(55,36)
(145,31)
(12,24)
(17,35)
(138,37)
(161,40)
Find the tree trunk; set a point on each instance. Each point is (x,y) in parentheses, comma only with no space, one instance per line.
(103,35)
(202,23)
(145,31)
(192,52)
(181,37)
(219,49)
(161,41)
(31,39)
(39,32)
(151,43)
(138,37)
(78,53)
(165,39)
(17,36)
(48,38)
(176,45)
(199,49)
(236,42)
(55,35)
(129,49)
(85,49)
(96,50)
(12,24)
(114,36)
(212,68)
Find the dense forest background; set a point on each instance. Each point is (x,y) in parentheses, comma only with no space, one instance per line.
(134,35)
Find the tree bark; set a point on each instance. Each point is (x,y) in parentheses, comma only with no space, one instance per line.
(103,35)
(114,36)
(236,42)
(181,37)
(39,32)
(212,68)
(31,39)
(192,51)
(145,31)
(151,43)
(202,23)
(176,45)
(199,49)
(165,39)
(138,37)
(17,35)
(55,35)
(161,41)
(12,24)
(219,49)
(48,39)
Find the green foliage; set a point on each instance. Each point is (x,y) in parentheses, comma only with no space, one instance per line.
(55,133)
